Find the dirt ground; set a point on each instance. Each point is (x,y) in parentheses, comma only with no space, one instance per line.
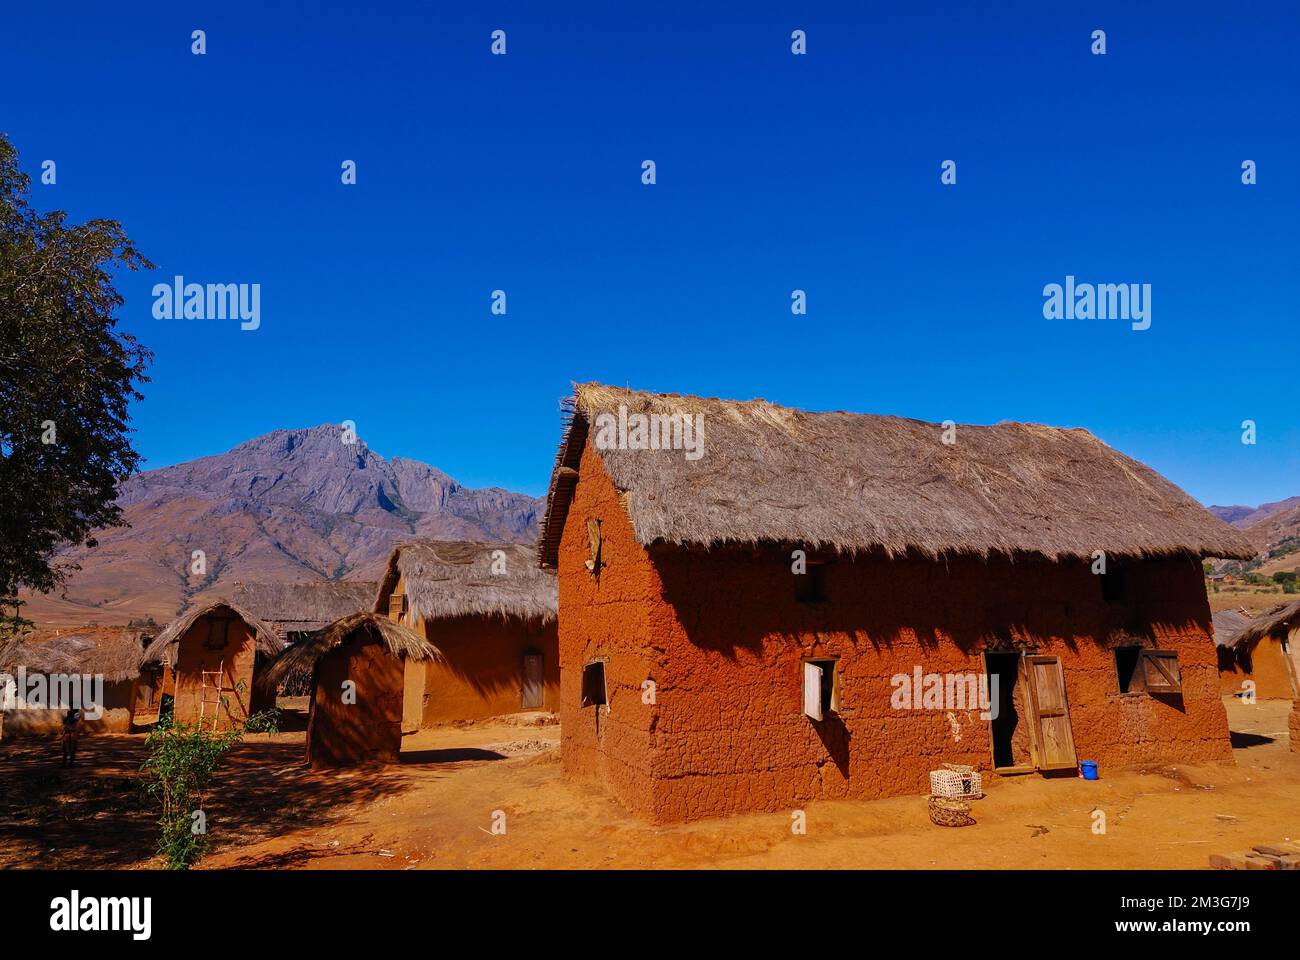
(440,806)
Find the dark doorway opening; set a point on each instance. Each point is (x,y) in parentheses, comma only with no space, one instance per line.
(1010,740)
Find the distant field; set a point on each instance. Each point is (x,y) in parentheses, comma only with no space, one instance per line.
(1255,600)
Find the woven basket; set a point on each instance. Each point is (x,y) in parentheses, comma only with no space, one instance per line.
(956,782)
(950,813)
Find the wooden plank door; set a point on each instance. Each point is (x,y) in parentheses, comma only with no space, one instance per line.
(1050,713)
(534,682)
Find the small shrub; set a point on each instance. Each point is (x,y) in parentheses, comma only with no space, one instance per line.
(182,761)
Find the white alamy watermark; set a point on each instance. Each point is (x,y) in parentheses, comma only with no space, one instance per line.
(53,691)
(651,431)
(179,300)
(75,913)
(1098,301)
(919,690)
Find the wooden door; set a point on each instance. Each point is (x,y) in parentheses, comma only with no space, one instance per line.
(534,682)
(1050,714)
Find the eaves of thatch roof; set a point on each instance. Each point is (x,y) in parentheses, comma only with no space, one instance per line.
(401,642)
(161,648)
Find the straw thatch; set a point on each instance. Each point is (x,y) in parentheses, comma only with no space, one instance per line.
(850,482)
(1228,625)
(401,641)
(448,578)
(303,607)
(163,646)
(1278,621)
(116,653)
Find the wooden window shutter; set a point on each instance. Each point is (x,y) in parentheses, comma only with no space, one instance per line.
(1160,671)
(812,690)
(396,606)
(595,540)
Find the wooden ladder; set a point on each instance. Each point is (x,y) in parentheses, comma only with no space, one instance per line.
(206,687)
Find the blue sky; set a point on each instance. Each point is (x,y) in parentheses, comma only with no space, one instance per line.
(775,172)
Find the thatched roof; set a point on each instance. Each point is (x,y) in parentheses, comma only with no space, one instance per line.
(1278,620)
(163,646)
(1228,625)
(114,652)
(452,578)
(850,482)
(402,642)
(303,607)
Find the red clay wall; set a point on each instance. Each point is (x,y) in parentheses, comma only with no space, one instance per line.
(482,675)
(368,730)
(1270,668)
(723,638)
(116,716)
(1295,725)
(236,661)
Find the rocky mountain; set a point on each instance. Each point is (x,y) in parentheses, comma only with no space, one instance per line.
(290,505)
(1243,517)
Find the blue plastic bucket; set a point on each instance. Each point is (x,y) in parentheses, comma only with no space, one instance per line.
(1088,770)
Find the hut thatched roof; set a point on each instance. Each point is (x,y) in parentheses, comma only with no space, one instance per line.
(402,642)
(1228,625)
(852,482)
(163,645)
(1279,620)
(303,607)
(451,578)
(114,652)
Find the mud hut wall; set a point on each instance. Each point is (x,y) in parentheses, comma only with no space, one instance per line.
(618,617)
(236,659)
(116,717)
(731,733)
(482,672)
(368,730)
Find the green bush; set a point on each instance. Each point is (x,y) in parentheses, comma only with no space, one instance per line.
(179,769)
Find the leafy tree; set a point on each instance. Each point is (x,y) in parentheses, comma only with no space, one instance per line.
(66,380)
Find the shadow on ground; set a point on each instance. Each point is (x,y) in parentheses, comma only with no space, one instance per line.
(96,814)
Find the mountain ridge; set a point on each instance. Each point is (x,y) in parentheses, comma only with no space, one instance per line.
(293,504)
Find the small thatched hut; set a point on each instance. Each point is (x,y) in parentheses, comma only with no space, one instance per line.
(491,612)
(215,652)
(110,655)
(1262,650)
(764,606)
(295,610)
(357,685)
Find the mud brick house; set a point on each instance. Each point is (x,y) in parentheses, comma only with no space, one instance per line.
(112,654)
(1262,650)
(702,673)
(357,667)
(491,612)
(215,652)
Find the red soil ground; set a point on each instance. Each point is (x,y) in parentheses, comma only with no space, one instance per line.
(436,810)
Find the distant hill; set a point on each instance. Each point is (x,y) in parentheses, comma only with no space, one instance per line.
(1243,517)
(291,505)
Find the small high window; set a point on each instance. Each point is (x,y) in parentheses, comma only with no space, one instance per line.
(1140,670)
(821,689)
(1114,583)
(593,684)
(810,586)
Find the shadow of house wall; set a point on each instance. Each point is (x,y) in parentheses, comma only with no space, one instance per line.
(722,635)
(369,730)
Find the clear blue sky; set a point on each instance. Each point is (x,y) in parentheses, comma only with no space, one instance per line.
(775,172)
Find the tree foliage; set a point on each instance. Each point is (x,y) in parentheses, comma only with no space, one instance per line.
(67,377)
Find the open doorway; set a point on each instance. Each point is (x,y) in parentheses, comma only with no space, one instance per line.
(1009,726)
